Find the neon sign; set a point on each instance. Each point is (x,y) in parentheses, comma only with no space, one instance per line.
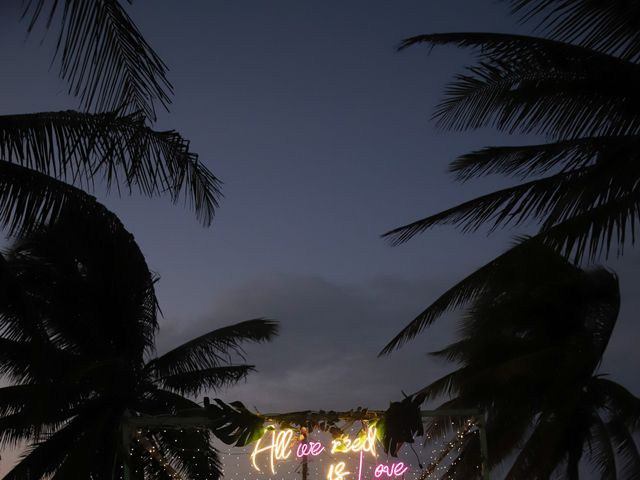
(278,450)
(345,444)
(311,448)
(283,443)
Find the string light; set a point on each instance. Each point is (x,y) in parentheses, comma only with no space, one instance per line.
(441,455)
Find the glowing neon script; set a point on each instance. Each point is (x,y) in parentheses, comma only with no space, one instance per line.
(393,470)
(283,442)
(280,448)
(336,472)
(362,443)
(311,448)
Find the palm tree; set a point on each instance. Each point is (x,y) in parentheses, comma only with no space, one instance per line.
(78,319)
(538,326)
(528,351)
(577,87)
(119,80)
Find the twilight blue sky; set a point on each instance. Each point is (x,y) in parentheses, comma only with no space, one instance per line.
(320,131)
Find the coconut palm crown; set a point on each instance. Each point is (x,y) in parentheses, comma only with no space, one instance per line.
(78,319)
(530,343)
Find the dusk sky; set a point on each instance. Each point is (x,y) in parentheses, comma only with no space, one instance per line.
(320,131)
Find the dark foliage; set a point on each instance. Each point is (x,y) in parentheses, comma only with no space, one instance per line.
(119,79)
(529,347)
(401,423)
(78,318)
(578,89)
(103,56)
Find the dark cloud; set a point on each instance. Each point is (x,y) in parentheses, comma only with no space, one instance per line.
(326,355)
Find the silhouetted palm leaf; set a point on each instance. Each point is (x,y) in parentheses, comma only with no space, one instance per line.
(80,147)
(603,456)
(192,451)
(524,161)
(625,448)
(623,405)
(610,27)
(213,349)
(584,100)
(466,291)
(196,381)
(44,458)
(103,56)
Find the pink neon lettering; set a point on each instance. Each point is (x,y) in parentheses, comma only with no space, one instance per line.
(311,448)
(316,448)
(303,450)
(393,470)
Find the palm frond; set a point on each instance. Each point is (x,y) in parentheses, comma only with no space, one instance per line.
(213,349)
(146,465)
(510,206)
(78,147)
(530,160)
(602,289)
(191,452)
(601,454)
(512,48)
(30,199)
(465,466)
(533,100)
(42,459)
(447,385)
(22,361)
(14,398)
(594,204)
(88,266)
(625,448)
(19,319)
(542,452)
(620,402)
(61,403)
(195,382)
(445,429)
(609,27)
(94,453)
(532,85)
(35,422)
(163,402)
(103,56)
(568,92)
(507,426)
(597,231)
(467,290)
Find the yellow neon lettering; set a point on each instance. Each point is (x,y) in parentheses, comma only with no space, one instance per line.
(360,444)
(278,450)
(256,451)
(283,441)
(336,472)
